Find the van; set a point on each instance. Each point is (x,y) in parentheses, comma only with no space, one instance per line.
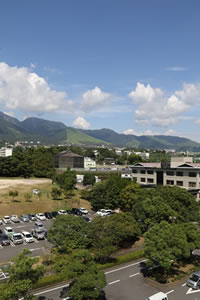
(158,296)
(194,280)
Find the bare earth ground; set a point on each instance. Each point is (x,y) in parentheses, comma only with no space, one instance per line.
(40,203)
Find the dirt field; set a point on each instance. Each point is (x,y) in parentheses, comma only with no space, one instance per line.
(36,203)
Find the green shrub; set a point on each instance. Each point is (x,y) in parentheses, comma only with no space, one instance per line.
(47,280)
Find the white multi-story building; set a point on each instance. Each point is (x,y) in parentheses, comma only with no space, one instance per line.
(181,171)
(4,152)
(89,163)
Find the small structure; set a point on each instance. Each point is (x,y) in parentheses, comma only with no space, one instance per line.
(89,163)
(68,159)
(5,152)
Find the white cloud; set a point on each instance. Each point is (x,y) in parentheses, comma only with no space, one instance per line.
(154,107)
(25,90)
(94,99)
(176,69)
(80,122)
(170,132)
(139,133)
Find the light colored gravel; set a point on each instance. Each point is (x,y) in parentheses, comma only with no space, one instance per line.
(5,183)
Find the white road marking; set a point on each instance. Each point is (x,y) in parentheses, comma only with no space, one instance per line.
(113,282)
(169,292)
(35,249)
(21,226)
(134,275)
(191,291)
(183,284)
(125,267)
(50,290)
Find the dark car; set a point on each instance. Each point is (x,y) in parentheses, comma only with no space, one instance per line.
(32,217)
(54,214)
(87,219)
(48,215)
(76,211)
(69,212)
(4,240)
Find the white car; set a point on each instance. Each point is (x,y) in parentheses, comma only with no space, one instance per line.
(41,217)
(62,212)
(83,210)
(36,192)
(7,220)
(27,237)
(15,219)
(103,212)
(9,231)
(1,222)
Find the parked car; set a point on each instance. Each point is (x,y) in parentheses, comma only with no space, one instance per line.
(4,240)
(27,237)
(104,212)
(15,219)
(83,210)
(194,281)
(158,296)
(17,238)
(87,219)
(9,231)
(24,218)
(54,214)
(48,215)
(39,225)
(32,217)
(40,216)
(38,234)
(62,212)
(7,220)
(36,192)
(76,211)
(1,222)
(69,212)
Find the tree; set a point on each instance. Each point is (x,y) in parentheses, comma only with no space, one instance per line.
(13,194)
(66,180)
(128,196)
(166,243)
(89,178)
(22,274)
(87,280)
(43,163)
(56,193)
(134,158)
(68,233)
(109,234)
(107,193)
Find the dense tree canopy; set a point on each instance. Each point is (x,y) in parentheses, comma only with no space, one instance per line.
(68,233)
(66,180)
(107,194)
(128,196)
(89,178)
(165,243)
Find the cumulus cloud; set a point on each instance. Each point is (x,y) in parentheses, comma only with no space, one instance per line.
(139,133)
(22,89)
(94,99)
(80,122)
(153,106)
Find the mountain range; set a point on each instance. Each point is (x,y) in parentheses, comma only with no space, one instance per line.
(51,132)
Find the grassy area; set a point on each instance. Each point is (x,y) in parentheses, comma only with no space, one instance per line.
(36,203)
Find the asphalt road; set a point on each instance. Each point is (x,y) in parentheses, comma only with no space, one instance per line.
(126,282)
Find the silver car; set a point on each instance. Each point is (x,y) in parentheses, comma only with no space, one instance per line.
(194,280)
(15,219)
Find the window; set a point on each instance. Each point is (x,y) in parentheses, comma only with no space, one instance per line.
(192,184)
(134,171)
(143,179)
(179,173)
(149,172)
(170,173)
(170,182)
(179,183)
(142,171)
(150,180)
(192,174)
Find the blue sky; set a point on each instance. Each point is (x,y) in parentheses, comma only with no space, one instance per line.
(131,66)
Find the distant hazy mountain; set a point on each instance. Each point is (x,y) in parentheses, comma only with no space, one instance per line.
(51,132)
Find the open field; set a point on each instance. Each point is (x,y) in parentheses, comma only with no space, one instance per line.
(36,203)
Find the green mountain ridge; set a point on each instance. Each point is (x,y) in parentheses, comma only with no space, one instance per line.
(51,132)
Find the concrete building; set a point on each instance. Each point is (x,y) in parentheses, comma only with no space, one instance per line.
(4,152)
(68,159)
(89,163)
(181,171)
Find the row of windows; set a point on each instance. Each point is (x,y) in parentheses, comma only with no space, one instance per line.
(180,183)
(149,180)
(169,173)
